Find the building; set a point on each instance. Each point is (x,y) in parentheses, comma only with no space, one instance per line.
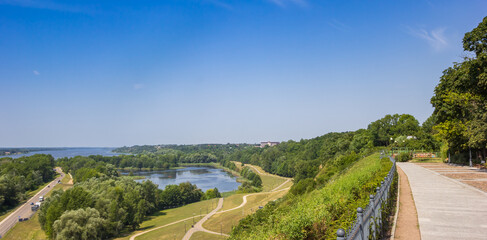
(268,143)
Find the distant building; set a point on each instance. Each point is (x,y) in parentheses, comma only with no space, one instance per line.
(268,143)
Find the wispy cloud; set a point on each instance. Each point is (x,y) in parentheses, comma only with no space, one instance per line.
(435,38)
(138,86)
(36,72)
(339,25)
(285,3)
(43,4)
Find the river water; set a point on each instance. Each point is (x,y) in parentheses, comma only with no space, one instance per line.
(204,177)
(70,152)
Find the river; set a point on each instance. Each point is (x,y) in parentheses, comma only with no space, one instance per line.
(204,177)
(70,152)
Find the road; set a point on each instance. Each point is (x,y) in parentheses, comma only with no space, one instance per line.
(25,211)
(447,209)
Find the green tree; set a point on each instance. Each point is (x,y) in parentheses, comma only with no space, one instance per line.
(83,224)
(460,99)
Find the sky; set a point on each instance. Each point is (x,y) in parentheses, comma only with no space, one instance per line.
(121,73)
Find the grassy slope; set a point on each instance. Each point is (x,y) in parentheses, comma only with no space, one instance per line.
(321,212)
(228,219)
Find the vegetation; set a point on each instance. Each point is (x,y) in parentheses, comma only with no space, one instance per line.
(460,101)
(254,183)
(319,213)
(17,176)
(110,205)
(403,157)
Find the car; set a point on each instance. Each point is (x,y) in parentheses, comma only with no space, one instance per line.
(31,203)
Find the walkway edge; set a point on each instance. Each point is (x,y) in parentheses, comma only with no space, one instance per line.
(397,206)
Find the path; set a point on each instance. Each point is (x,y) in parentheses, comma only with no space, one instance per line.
(199,225)
(169,224)
(407,226)
(447,208)
(24,211)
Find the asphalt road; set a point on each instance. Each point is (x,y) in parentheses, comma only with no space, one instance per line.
(25,210)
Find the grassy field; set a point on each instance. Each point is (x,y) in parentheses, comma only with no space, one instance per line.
(227,220)
(206,236)
(171,215)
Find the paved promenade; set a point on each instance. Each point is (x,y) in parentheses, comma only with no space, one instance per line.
(447,208)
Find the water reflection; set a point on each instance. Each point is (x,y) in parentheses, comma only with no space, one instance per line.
(204,177)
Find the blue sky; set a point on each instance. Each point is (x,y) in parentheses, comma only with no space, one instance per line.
(114,73)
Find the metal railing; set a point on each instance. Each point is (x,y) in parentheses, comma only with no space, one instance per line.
(368,223)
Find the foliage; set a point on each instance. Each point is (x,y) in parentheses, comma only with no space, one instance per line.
(120,202)
(212,193)
(403,157)
(85,224)
(320,212)
(23,174)
(460,99)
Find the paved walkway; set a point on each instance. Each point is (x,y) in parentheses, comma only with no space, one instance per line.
(447,208)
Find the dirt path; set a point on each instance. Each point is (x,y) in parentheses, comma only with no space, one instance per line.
(407,226)
(199,225)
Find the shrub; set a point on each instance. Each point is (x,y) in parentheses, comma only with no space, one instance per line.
(403,157)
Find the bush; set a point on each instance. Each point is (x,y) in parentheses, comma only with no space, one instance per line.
(403,157)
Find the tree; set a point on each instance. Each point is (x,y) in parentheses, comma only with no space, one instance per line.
(83,224)
(460,99)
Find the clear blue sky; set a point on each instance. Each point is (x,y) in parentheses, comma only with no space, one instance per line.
(114,73)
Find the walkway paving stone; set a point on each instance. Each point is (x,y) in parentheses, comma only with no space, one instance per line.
(447,208)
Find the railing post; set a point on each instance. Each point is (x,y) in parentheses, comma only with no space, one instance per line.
(341,234)
(360,217)
(379,209)
(372,216)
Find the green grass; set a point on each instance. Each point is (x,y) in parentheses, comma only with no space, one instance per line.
(171,215)
(321,212)
(229,219)
(206,236)
(269,182)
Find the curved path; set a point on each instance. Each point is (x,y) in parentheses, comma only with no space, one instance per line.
(169,224)
(199,225)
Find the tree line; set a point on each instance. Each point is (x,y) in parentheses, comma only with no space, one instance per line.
(17,176)
(102,208)
(460,101)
